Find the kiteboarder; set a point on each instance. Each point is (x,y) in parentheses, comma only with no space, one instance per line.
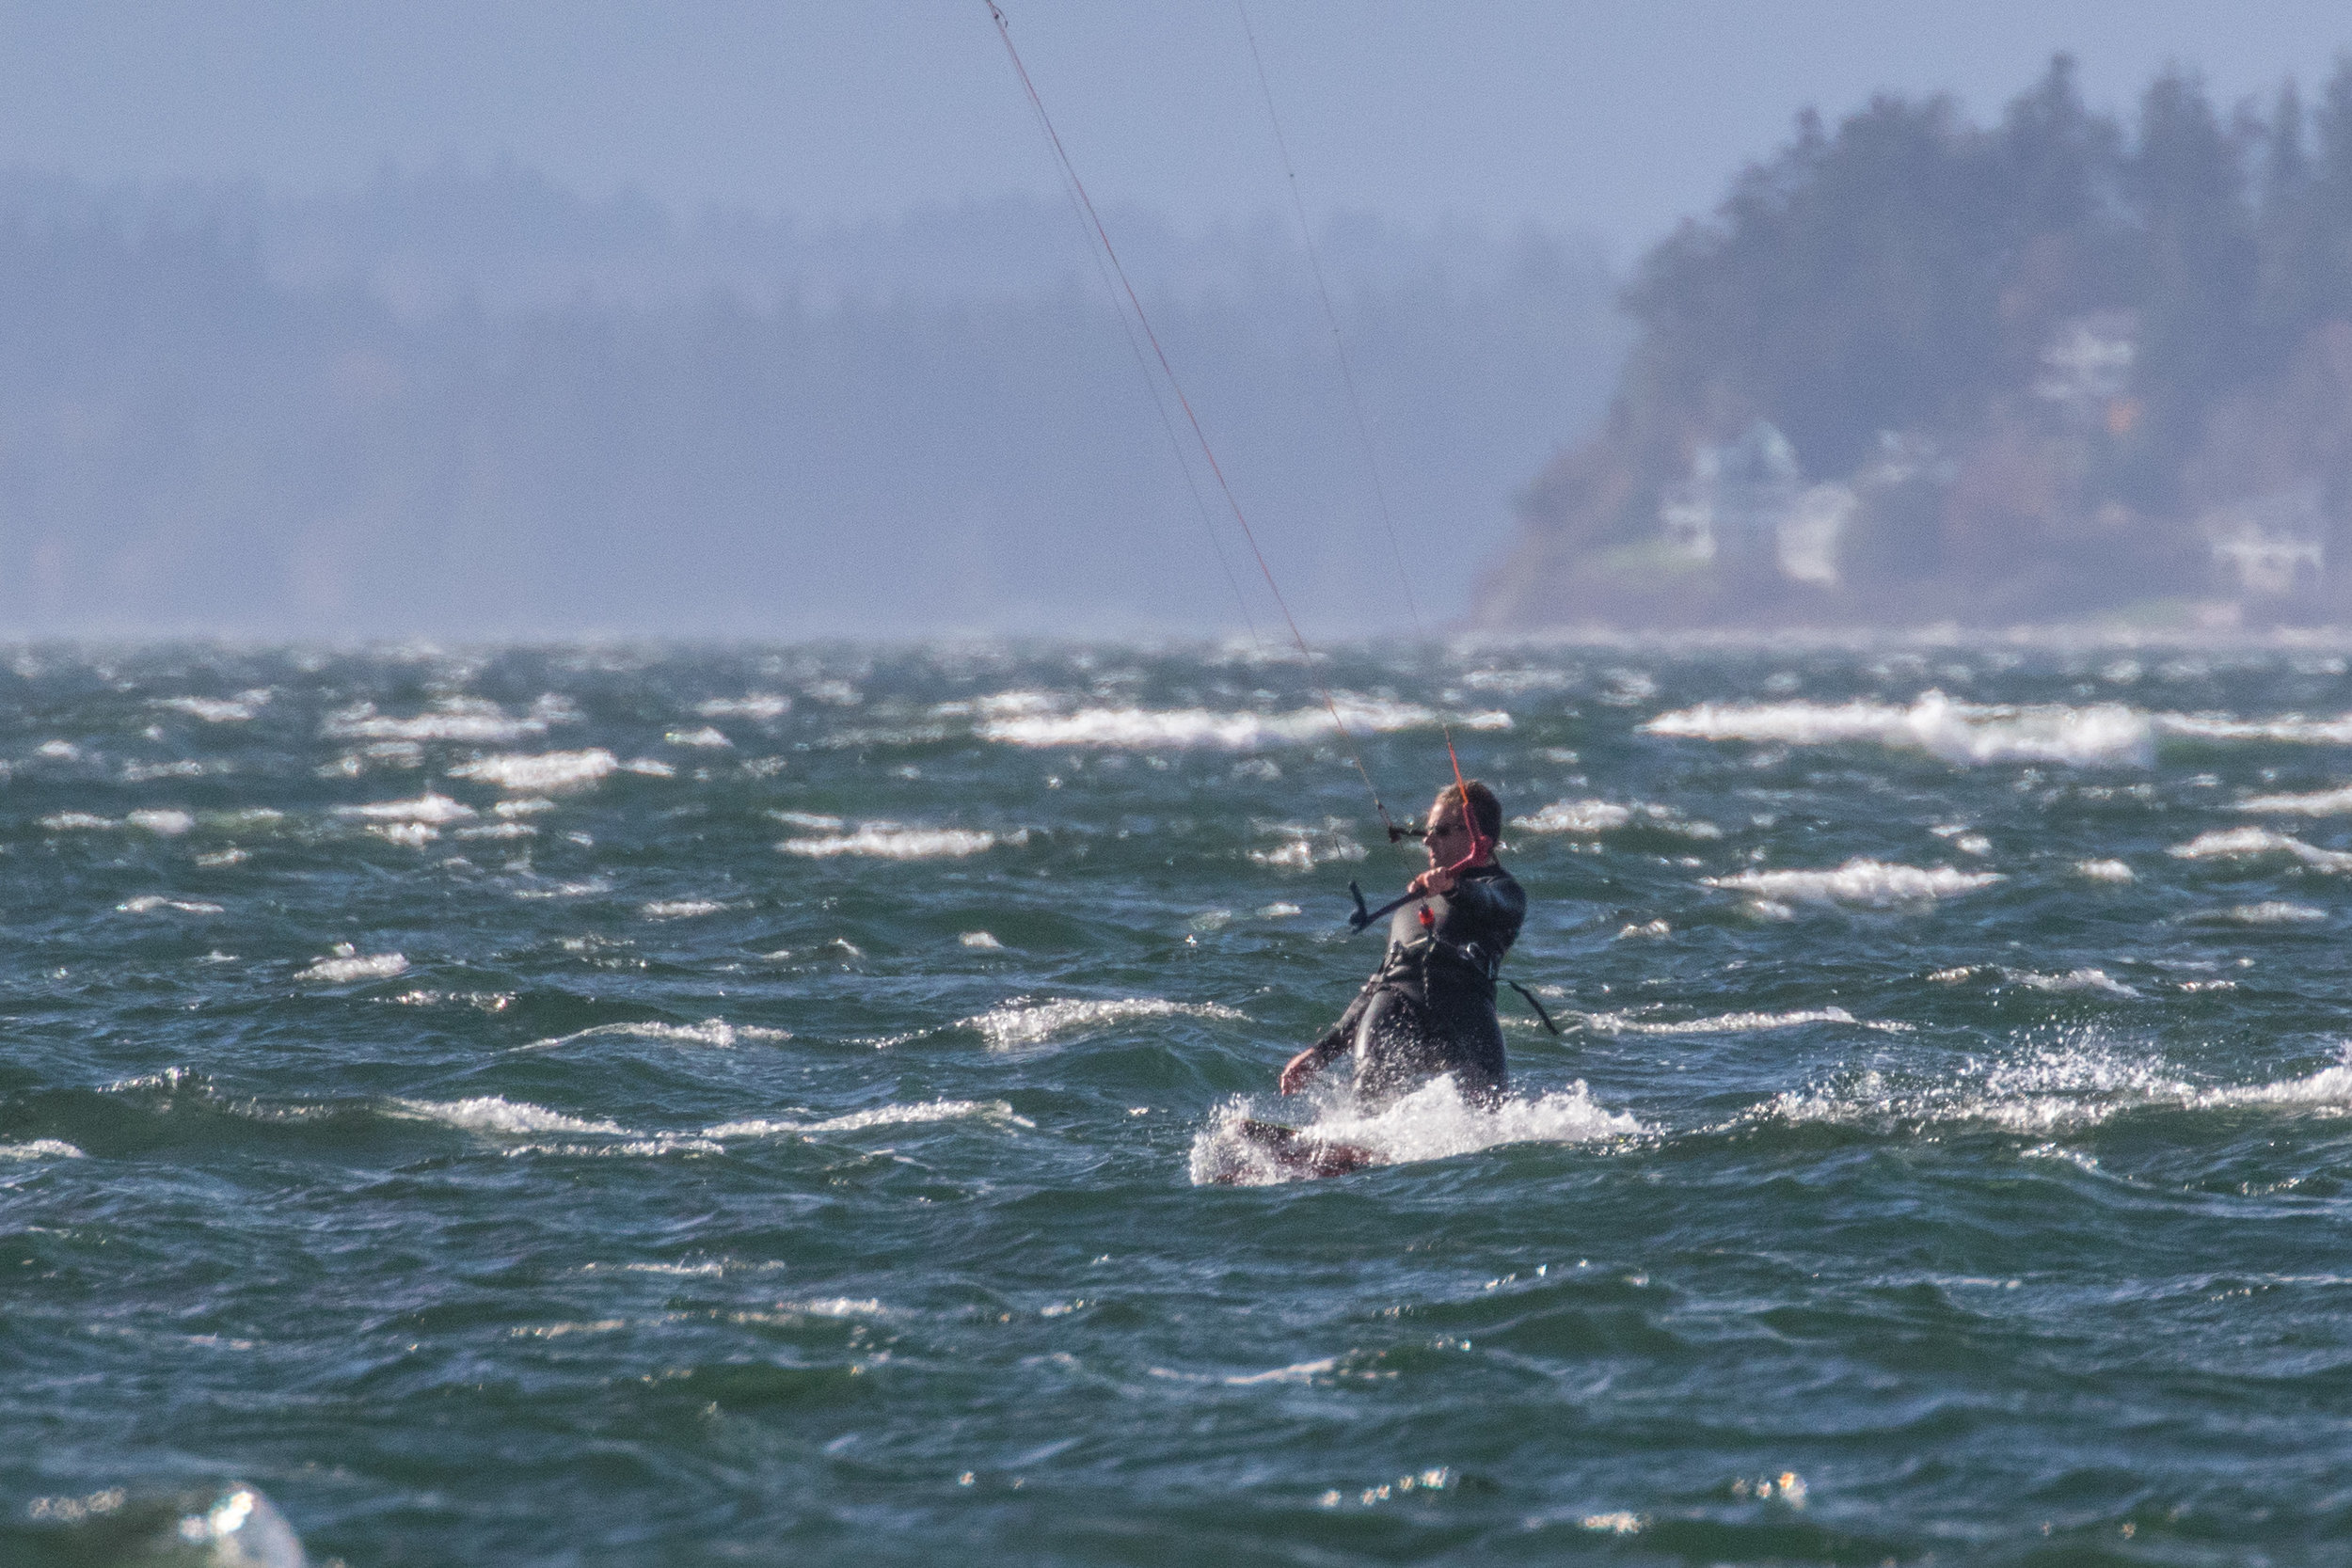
(1429,1009)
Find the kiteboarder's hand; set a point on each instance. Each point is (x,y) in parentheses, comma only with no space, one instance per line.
(1438,880)
(1298,1070)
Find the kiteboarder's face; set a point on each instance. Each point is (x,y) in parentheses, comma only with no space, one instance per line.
(1445,838)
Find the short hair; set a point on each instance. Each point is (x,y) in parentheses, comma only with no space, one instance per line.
(1484,810)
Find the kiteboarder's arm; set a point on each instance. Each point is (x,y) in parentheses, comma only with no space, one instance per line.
(1311,1061)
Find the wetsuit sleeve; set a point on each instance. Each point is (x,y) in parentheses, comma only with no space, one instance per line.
(1342,1034)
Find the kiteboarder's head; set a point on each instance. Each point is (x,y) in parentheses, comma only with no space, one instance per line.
(1447,835)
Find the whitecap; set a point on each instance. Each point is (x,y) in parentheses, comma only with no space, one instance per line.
(891,841)
(678,908)
(1727,1024)
(2248,843)
(815,821)
(714,1032)
(456,719)
(979,939)
(497,1115)
(1872,883)
(2077,1081)
(652,767)
(42,1149)
(348,964)
(2084,979)
(2274,911)
(2103,871)
(217,710)
(529,805)
(704,737)
(2105,734)
(1144,728)
(880,1116)
(757,704)
(162,821)
(78,821)
(415,835)
(1020,1023)
(547,774)
(430,807)
(1590,818)
(146,903)
(1433,1122)
(2326,802)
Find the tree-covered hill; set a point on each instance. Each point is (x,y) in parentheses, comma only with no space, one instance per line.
(1916,369)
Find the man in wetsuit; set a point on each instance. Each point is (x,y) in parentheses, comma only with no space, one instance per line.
(1429,1009)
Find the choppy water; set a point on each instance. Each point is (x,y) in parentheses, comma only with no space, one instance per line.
(608,1107)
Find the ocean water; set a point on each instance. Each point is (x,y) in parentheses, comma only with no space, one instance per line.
(617,1106)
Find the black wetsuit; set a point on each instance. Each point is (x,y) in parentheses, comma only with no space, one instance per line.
(1429,1009)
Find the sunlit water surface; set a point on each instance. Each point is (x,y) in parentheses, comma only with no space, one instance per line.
(600,1107)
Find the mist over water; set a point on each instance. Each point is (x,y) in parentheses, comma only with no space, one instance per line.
(581,1105)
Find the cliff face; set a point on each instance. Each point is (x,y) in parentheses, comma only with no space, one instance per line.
(1917,370)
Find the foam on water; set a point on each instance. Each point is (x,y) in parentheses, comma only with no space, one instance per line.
(756,705)
(1021,1024)
(347,965)
(1591,818)
(217,710)
(2274,911)
(715,1031)
(2078,1081)
(42,1149)
(2254,843)
(500,1116)
(2105,734)
(2103,871)
(1874,884)
(146,903)
(1727,1024)
(547,773)
(431,807)
(880,1116)
(464,719)
(164,822)
(679,908)
(1433,1122)
(1143,728)
(894,842)
(2326,802)
(702,737)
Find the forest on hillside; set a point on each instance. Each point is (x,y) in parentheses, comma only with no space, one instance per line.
(1916,369)
(466,404)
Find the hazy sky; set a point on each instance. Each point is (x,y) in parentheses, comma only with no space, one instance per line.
(1595,115)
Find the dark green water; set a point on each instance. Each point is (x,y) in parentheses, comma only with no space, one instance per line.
(689,1107)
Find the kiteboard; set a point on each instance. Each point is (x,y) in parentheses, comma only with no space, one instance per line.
(1298,1153)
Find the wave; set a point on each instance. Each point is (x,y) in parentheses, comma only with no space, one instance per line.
(890,841)
(547,773)
(756,705)
(2103,871)
(2100,735)
(1728,1023)
(147,903)
(1433,1122)
(2326,802)
(704,737)
(245,706)
(431,807)
(494,1113)
(464,719)
(880,1116)
(1591,818)
(2273,911)
(678,908)
(711,1030)
(1033,1023)
(2105,734)
(1232,731)
(42,1149)
(347,965)
(2253,843)
(2074,1083)
(1871,884)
